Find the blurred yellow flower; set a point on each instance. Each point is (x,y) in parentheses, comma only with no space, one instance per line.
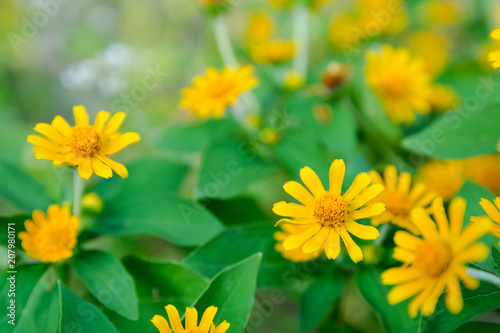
(274,51)
(260,28)
(213,93)
(84,146)
(399,197)
(385,17)
(484,170)
(92,202)
(269,136)
(400,82)
(494,213)
(52,237)
(445,178)
(344,32)
(432,49)
(206,323)
(327,215)
(442,99)
(293,80)
(295,255)
(441,12)
(494,57)
(438,260)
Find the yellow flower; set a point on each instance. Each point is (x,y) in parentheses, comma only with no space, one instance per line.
(293,80)
(84,146)
(329,214)
(441,12)
(92,202)
(484,170)
(436,261)
(344,32)
(213,93)
(399,197)
(442,99)
(261,27)
(386,15)
(273,51)
(50,238)
(432,49)
(400,82)
(445,178)
(295,255)
(494,213)
(206,323)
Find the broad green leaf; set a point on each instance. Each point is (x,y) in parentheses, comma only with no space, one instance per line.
(80,316)
(21,190)
(237,244)
(496,255)
(227,168)
(40,314)
(18,226)
(473,194)
(237,211)
(179,221)
(459,134)
(394,317)
(317,299)
(108,281)
(232,291)
(477,326)
(476,302)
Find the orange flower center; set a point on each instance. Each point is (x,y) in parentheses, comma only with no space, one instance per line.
(331,210)
(84,141)
(394,85)
(51,237)
(433,257)
(221,88)
(397,202)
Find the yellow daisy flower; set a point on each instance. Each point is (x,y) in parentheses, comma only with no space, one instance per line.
(274,52)
(294,255)
(494,213)
(494,57)
(399,197)
(438,260)
(401,83)
(445,178)
(206,323)
(484,170)
(329,214)
(84,146)
(212,93)
(260,28)
(52,237)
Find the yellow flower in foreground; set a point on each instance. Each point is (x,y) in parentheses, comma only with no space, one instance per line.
(442,177)
(494,57)
(274,51)
(327,215)
(401,83)
(50,238)
(213,93)
(494,213)
(206,323)
(294,255)
(84,146)
(399,197)
(436,261)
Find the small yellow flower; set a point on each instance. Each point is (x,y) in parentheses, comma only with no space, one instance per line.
(432,49)
(295,255)
(92,202)
(274,51)
(260,29)
(206,323)
(445,178)
(84,146)
(494,213)
(442,99)
(293,80)
(441,12)
(213,93)
(484,170)
(399,197)
(327,215)
(269,136)
(50,238)
(400,82)
(438,260)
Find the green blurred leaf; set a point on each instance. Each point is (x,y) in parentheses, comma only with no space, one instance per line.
(18,227)
(227,168)
(394,317)
(21,190)
(232,291)
(236,244)
(459,134)
(80,316)
(317,299)
(108,281)
(237,211)
(478,327)
(496,255)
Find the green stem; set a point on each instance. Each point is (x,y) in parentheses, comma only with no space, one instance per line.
(301,38)
(77,193)
(484,276)
(223,42)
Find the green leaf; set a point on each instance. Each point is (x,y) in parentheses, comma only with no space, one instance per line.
(227,169)
(179,221)
(80,316)
(109,282)
(232,291)
(21,190)
(459,134)
(476,302)
(40,313)
(473,194)
(317,299)
(394,317)
(478,327)
(236,244)
(18,226)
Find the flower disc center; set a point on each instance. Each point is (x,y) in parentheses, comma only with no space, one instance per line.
(433,257)
(331,210)
(84,141)
(397,202)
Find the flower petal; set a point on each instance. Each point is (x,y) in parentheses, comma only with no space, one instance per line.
(406,240)
(317,241)
(300,193)
(161,324)
(490,209)
(370,211)
(360,182)
(404,291)
(453,296)
(62,126)
(117,167)
(100,169)
(476,229)
(114,123)
(294,241)
(291,209)
(332,248)
(191,319)
(100,120)
(51,133)
(424,223)
(81,116)
(336,175)
(116,144)
(362,231)
(456,212)
(352,248)
(312,182)
(84,169)
(440,217)
(399,275)
(175,320)
(368,194)
(207,319)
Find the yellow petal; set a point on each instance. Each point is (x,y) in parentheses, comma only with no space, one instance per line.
(353,249)
(295,222)
(406,240)
(222,328)
(440,217)
(404,291)
(416,302)
(312,182)
(84,169)
(300,193)
(51,133)
(403,255)
(474,230)
(495,34)
(175,320)
(468,281)
(161,324)
(370,211)
(117,167)
(367,195)
(40,141)
(362,231)
(81,116)
(317,241)
(100,169)
(295,240)
(100,120)
(337,172)
(116,144)
(430,303)
(390,177)
(490,209)
(62,126)
(456,213)
(114,123)
(360,182)
(399,275)
(476,252)
(332,248)
(424,223)
(404,182)
(207,318)
(191,319)
(453,296)
(292,210)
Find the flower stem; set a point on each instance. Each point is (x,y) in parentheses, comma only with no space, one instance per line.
(384,231)
(301,38)
(223,42)
(484,276)
(77,193)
